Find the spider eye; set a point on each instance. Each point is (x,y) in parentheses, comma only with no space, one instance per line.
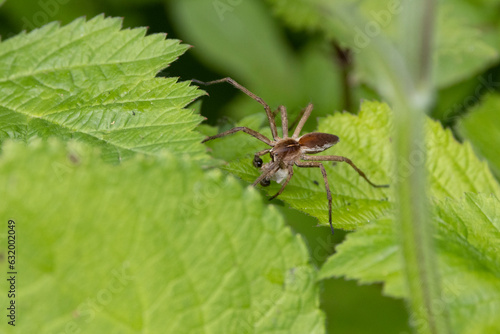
(257,162)
(265,182)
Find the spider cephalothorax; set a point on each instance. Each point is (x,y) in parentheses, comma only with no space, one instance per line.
(288,151)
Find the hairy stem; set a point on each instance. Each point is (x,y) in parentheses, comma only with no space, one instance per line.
(414,222)
(401,70)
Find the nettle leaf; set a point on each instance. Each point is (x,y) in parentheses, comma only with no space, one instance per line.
(354,201)
(219,29)
(468,244)
(96,83)
(151,245)
(365,139)
(482,128)
(453,168)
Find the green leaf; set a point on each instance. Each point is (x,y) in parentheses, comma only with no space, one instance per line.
(151,245)
(95,82)
(482,128)
(452,167)
(468,245)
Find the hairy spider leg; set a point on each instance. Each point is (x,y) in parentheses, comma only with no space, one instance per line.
(303,120)
(268,110)
(249,131)
(297,118)
(325,179)
(273,168)
(343,159)
(284,121)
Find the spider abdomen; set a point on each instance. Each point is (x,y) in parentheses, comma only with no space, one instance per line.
(316,142)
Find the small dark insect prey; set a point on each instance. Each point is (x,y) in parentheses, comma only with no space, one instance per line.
(287,151)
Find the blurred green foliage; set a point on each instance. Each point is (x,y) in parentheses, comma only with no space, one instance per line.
(482,127)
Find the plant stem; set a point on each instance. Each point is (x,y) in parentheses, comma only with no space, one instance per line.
(414,224)
(402,73)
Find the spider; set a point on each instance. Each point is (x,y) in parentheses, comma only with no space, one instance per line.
(288,151)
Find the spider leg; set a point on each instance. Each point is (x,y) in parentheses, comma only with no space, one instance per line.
(325,178)
(275,113)
(251,132)
(269,113)
(303,120)
(284,121)
(296,120)
(344,159)
(273,167)
(290,174)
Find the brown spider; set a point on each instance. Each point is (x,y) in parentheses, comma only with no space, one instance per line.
(287,151)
